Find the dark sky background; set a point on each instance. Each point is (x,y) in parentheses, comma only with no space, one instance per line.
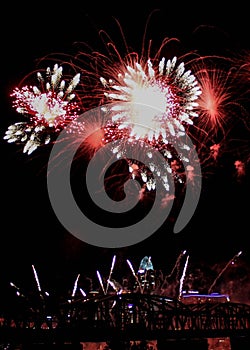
(31,233)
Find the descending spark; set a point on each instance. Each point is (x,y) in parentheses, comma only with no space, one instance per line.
(183,276)
(36,278)
(75,285)
(223,270)
(82,292)
(110,272)
(49,108)
(100,281)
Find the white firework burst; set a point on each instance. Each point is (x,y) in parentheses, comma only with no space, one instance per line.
(160,100)
(49,108)
(152,105)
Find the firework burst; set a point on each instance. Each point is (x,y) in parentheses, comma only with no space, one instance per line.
(161,99)
(49,109)
(218,103)
(151,104)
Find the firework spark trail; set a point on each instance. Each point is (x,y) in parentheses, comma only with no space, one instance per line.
(183,277)
(75,285)
(36,278)
(100,281)
(223,270)
(110,272)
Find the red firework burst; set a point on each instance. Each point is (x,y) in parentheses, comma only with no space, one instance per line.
(217,103)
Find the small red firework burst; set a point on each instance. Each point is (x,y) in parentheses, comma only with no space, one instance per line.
(219,104)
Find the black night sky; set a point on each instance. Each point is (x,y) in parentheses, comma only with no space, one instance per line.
(31,233)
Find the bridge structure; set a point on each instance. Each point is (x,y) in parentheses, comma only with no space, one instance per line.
(119,318)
